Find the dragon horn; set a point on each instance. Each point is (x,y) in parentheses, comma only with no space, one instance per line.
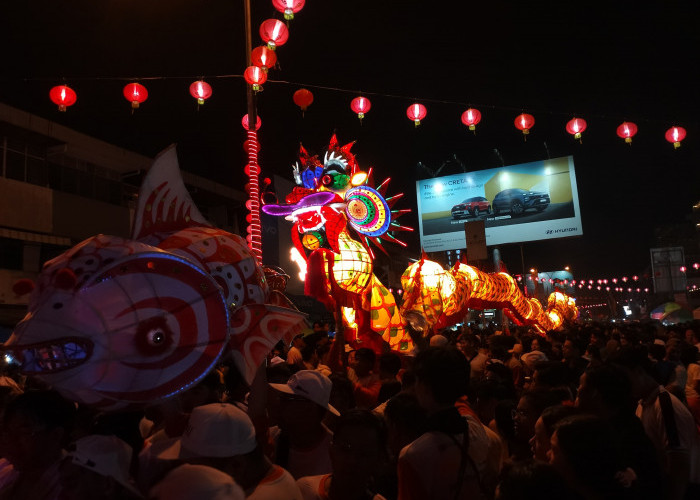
(334,143)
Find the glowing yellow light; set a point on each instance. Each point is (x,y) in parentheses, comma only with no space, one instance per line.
(297,258)
(359,178)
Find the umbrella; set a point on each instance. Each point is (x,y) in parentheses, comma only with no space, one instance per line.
(678,316)
(664,310)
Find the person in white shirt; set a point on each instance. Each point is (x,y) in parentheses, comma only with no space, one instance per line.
(221,436)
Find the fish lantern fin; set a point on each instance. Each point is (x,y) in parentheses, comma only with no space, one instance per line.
(164,204)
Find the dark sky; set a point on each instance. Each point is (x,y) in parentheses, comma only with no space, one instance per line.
(603,61)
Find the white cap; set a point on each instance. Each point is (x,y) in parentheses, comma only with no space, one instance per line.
(106,455)
(196,482)
(214,430)
(532,358)
(311,385)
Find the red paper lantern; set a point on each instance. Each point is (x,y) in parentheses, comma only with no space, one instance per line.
(135,93)
(471,118)
(201,91)
(303,98)
(675,135)
(263,57)
(626,131)
(360,105)
(258,122)
(576,126)
(255,76)
(274,33)
(63,96)
(416,112)
(524,122)
(288,7)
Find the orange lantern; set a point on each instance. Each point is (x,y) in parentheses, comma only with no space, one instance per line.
(303,98)
(416,112)
(201,91)
(360,105)
(576,126)
(255,76)
(288,7)
(274,33)
(626,131)
(675,135)
(263,57)
(63,96)
(524,122)
(135,93)
(471,118)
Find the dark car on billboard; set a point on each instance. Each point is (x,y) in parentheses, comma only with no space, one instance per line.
(471,206)
(516,201)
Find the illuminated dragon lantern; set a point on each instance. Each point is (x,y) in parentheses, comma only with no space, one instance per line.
(116,322)
(337,217)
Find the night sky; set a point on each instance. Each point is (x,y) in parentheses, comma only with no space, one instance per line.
(603,61)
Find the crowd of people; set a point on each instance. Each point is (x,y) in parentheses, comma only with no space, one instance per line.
(590,412)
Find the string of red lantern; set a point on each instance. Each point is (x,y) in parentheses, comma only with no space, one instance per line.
(275,34)
(64,97)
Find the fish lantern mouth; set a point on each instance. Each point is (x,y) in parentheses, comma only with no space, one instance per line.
(48,357)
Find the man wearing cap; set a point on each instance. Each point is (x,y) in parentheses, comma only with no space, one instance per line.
(222,436)
(303,445)
(294,357)
(97,466)
(200,482)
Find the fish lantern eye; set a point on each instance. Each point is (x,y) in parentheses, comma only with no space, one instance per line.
(326,180)
(155,337)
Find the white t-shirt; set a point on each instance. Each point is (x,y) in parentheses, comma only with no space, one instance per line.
(312,461)
(278,484)
(314,488)
(650,413)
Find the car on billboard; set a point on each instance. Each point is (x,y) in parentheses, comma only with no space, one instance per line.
(516,201)
(471,206)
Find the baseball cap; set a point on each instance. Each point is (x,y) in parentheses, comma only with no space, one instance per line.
(311,385)
(532,358)
(106,455)
(214,430)
(189,482)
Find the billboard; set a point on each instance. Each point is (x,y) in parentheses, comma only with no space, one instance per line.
(524,202)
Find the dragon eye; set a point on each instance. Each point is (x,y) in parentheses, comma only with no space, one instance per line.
(326,180)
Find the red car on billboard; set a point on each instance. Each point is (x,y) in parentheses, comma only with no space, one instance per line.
(471,206)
